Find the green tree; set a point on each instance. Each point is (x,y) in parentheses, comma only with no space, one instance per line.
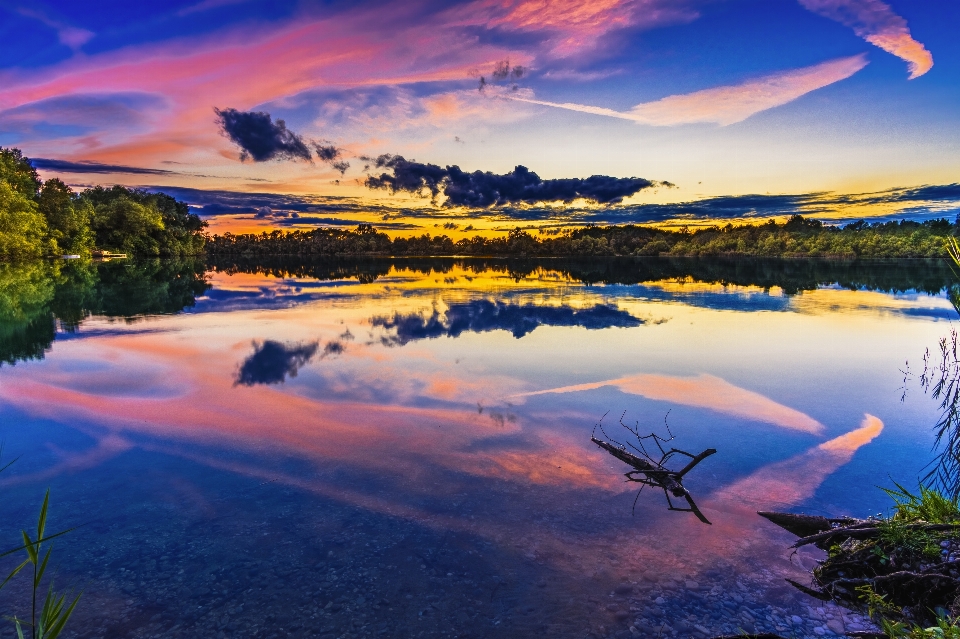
(68,217)
(128,226)
(19,173)
(157,225)
(23,230)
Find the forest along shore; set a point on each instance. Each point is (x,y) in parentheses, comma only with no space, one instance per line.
(797,237)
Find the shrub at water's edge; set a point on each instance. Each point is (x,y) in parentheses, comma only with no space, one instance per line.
(40,218)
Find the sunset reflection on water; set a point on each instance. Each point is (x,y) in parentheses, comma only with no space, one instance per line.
(461,403)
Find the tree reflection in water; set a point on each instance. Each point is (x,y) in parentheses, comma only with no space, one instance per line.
(39,297)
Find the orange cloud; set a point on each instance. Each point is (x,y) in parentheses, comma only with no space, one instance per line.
(704,391)
(876,22)
(795,480)
(728,104)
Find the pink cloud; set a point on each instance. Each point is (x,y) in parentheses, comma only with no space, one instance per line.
(876,22)
(247,66)
(575,25)
(704,391)
(244,68)
(795,480)
(728,104)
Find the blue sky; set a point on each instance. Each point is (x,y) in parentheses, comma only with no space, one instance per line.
(716,97)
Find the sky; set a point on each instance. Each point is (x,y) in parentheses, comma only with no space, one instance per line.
(274,114)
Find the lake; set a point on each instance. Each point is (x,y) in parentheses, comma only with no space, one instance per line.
(402,448)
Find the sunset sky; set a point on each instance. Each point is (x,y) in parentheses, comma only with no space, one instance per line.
(838,109)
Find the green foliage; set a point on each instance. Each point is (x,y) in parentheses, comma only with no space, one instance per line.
(929,506)
(54,612)
(17,171)
(878,607)
(128,226)
(50,219)
(797,237)
(944,629)
(23,230)
(68,218)
(897,534)
(144,224)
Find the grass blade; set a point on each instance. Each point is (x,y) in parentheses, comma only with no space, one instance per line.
(30,547)
(42,522)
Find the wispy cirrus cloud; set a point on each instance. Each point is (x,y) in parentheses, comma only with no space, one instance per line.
(727,105)
(70,36)
(573,25)
(877,23)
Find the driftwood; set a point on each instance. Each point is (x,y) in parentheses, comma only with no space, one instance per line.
(903,565)
(804,525)
(651,473)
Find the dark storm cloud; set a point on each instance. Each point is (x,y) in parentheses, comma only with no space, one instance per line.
(94,167)
(484,189)
(272,362)
(486,315)
(260,137)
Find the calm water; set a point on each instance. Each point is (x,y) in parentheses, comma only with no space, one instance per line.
(402,449)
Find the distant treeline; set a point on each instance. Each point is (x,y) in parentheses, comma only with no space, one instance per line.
(797,237)
(40,219)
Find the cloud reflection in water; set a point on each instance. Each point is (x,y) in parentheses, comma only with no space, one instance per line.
(272,362)
(484,315)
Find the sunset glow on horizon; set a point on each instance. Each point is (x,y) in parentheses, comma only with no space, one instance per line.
(837,105)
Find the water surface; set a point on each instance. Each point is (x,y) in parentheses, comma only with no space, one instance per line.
(402,448)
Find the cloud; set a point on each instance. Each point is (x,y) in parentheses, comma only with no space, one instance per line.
(794,480)
(260,137)
(728,104)
(207,5)
(327,153)
(81,114)
(69,36)
(332,349)
(876,22)
(272,362)
(480,316)
(918,204)
(704,391)
(485,189)
(95,167)
(571,26)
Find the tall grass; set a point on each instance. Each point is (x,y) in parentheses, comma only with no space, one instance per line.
(54,612)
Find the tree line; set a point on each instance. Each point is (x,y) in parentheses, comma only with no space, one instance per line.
(797,237)
(47,218)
